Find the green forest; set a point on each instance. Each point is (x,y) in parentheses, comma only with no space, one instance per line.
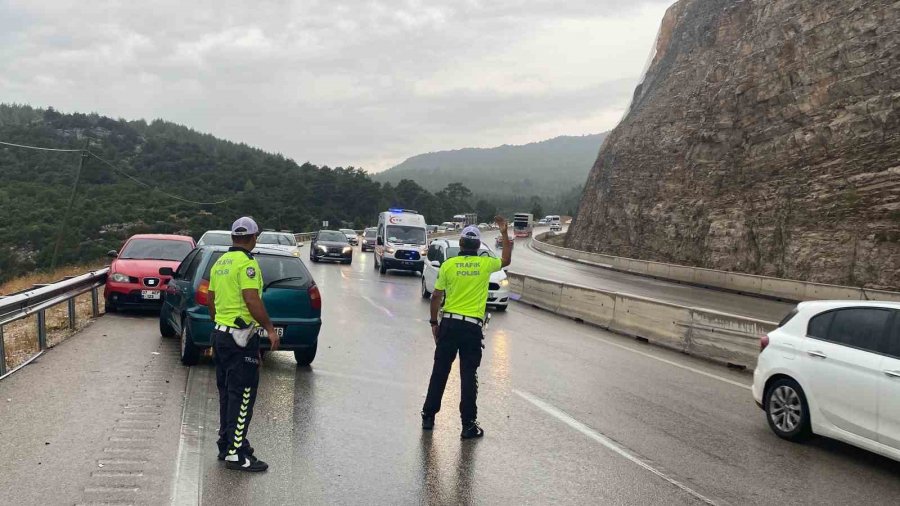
(166,178)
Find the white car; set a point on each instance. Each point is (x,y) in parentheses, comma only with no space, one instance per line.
(215,238)
(555,227)
(832,368)
(282,241)
(442,249)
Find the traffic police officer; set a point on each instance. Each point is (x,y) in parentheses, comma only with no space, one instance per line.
(235,305)
(462,287)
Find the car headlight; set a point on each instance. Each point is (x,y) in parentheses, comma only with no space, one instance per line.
(389,249)
(118,277)
(347,249)
(423,250)
(323,249)
(504,283)
(296,253)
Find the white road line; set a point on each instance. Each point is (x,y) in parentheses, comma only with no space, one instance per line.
(666,361)
(379,306)
(607,442)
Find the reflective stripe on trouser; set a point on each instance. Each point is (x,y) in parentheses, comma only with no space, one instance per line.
(465,338)
(239,369)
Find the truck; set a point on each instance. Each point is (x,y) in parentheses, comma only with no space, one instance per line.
(523,223)
(464,220)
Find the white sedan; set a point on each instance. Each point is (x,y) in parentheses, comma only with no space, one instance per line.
(442,249)
(283,241)
(832,368)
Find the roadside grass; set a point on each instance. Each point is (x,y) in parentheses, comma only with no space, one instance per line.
(20,338)
(556,240)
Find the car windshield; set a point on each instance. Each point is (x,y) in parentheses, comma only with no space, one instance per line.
(280,239)
(156,249)
(453,251)
(370,234)
(331,235)
(347,231)
(274,267)
(406,235)
(215,239)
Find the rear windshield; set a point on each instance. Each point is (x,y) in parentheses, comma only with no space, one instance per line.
(274,267)
(453,251)
(331,235)
(215,239)
(156,249)
(370,234)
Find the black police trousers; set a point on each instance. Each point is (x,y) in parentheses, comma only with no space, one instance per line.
(237,377)
(465,338)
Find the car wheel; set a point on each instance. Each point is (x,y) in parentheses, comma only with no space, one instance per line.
(348,262)
(425,293)
(110,307)
(165,329)
(305,356)
(314,258)
(787,410)
(500,309)
(190,354)
(382,269)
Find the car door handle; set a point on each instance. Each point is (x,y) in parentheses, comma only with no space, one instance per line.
(893,374)
(818,354)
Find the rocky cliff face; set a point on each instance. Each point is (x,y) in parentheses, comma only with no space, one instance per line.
(763,139)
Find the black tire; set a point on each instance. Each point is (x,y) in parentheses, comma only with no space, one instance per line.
(315,259)
(305,356)
(110,307)
(500,309)
(425,293)
(347,262)
(165,329)
(787,410)
(190,353)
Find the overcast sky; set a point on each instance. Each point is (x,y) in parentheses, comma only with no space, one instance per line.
(336,82)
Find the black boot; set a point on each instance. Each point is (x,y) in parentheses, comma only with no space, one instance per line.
(248,464)
(471,430)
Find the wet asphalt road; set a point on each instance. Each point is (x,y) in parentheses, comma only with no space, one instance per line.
(563,405)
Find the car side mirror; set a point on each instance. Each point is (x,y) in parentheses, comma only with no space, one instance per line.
(379,241)
(166,271)
(435,263)
(112,253)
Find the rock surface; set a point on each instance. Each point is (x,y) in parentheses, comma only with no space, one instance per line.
(763,139)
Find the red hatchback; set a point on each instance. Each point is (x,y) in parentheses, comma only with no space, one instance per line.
(134,281)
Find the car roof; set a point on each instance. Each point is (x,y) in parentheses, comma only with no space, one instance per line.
(275,233)
(227,232)
(454,243)
(170,237)
(824,305)
(257,250)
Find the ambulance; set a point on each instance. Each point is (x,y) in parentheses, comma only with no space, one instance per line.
(400,241)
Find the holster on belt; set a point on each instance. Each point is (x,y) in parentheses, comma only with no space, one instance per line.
(243,332)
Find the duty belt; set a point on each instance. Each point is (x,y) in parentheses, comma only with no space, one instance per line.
(224,328)
(454,316)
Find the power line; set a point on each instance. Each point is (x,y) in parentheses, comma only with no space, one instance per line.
(39,148)
(138,181)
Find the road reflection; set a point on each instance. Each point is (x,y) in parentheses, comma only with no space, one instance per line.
(446,481)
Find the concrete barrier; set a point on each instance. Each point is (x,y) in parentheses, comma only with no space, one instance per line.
(700,332)
(765,286)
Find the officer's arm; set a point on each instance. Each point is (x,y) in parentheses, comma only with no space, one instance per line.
(211,305)
(437,298)
(506,258)
(258,312)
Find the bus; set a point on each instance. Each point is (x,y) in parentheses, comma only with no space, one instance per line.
(523,223)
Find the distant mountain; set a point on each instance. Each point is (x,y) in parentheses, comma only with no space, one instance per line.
(545,169)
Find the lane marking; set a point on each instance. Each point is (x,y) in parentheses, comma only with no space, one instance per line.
(377,305)
(607,442)
(663,360)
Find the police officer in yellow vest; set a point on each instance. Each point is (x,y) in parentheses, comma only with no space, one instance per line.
(236,307)
(462,287)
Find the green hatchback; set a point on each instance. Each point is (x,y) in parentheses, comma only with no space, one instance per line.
(290,295)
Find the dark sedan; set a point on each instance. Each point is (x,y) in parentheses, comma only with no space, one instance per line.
(331,245)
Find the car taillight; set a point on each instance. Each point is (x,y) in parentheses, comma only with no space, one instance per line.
(202,295)
(763,342)
(315,298)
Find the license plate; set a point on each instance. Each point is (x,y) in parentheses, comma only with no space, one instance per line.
(334,254)
(149,294)
(278,330)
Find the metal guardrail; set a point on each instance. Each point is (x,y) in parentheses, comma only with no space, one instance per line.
(42,297)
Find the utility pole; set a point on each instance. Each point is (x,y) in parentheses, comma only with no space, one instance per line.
(65,220)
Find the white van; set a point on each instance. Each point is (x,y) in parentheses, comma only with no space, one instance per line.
(400,242)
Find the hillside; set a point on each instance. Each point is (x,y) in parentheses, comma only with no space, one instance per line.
(763,139)
(545,169)
(157,174)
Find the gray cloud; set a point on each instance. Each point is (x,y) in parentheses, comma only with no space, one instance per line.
(365,83)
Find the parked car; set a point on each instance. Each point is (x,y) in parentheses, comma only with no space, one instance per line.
(215,238)
(832,368)
(290,295)
(442,250)
(352,238)
(330,245)
(283,241)
(134,281)
(555,226)
(368,242)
